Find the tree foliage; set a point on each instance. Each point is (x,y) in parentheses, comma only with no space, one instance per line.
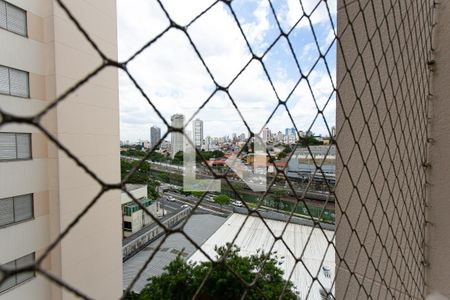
(178,158)
(140,176)
(287,149)
(222,199)
(309,140)
(207,155)
(180,280)
(154,156)
(277,195)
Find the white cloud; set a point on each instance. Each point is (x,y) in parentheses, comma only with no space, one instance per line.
(291,11)
(175,80)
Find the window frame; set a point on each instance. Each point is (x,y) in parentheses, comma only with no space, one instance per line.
(6,18)
(9,82)
(14,222)
(16,283)
(126,228)
(17,151)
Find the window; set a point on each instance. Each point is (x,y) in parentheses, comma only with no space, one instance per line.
(16,209)
(127,226)
(14,82)
(15,146)
(12,18)
(18,278)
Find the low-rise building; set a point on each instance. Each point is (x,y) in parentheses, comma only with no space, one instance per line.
(134,218)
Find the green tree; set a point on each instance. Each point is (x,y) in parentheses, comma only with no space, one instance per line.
(164,176)
(287,149)
(140,176)
(217,154)
(277,195)
(221,199)
(178,158)
(197,194)
(309,140)
(180,280)
(152,186)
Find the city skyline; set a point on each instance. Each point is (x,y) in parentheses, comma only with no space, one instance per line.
(227,134)
(273,135)
(179,82)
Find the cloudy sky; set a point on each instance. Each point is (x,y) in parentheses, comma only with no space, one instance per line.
(176,81)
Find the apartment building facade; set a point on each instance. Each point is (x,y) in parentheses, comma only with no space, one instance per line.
(197,131)
(176,138)
(42,189)
(155,135)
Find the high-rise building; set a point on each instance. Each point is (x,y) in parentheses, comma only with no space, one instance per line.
(280,136)
(266,135)
(155,135)
(176,138)
(42,189)
(197,132)
(242,137)
(207,143)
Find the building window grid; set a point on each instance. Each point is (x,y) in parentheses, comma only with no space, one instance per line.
(14,221)
(17,158)
(131,207)
(26,93)
(7,5)
(19,278)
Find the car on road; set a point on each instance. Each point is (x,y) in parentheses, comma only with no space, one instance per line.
(185,205)
(171,199)
(237,203)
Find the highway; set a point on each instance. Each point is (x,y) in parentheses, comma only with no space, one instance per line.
(316,198)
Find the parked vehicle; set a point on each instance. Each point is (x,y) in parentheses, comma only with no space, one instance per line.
(237,203)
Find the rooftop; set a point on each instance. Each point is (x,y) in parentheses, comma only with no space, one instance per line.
(175,245)
(310,243)
(131,186)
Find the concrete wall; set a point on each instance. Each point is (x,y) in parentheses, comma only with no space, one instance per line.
(137,193)
(438,275)
(133,246)
(56,55)
(30,54)
(382,103)
(87,123)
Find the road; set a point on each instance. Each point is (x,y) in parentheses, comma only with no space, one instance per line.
(316,198)
(204,207)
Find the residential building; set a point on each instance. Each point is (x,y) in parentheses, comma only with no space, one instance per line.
(155,136)
(176,138)
(279,137)
(133,216)
(266,135)
(197,133)
(207,143)
(305,160)
(42,189)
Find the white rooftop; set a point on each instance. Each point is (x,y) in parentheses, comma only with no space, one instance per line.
(254,235)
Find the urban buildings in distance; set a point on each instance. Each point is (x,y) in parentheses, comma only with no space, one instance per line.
(176,138)
(42,190)
(155,136)
(197,133)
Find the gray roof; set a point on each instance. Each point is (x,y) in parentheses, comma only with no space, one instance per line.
(312,244)
(199,228)
(131,186)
